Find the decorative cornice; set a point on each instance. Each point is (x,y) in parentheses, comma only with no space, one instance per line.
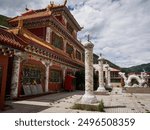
(52,56)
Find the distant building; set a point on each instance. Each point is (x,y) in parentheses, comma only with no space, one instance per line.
(115,78)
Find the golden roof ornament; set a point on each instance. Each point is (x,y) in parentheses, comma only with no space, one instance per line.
(26,8)
(51,3)
(88,38)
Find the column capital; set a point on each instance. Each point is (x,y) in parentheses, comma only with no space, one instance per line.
(63,67)
(47,63)
(20,56)
(89,45)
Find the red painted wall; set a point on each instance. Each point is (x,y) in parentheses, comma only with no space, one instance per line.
(52,85)
(40,32)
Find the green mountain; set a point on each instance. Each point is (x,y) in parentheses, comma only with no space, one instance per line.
(4,21)
(138,68)
(95,61)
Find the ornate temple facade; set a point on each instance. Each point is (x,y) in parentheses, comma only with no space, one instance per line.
(44,49)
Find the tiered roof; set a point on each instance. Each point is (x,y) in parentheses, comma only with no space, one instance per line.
(9,39)
(20,36)
(46,12)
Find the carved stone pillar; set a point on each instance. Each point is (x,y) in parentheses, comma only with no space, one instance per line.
(89,96)
(64,68)
(106,74)
(109,80)
(47,65)
(15,75)
(101,75)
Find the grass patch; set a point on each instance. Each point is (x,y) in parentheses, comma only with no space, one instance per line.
(90,107)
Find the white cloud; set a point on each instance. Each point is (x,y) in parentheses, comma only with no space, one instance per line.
(119,28)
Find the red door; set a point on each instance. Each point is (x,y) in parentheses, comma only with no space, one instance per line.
(3,76)
(69,83)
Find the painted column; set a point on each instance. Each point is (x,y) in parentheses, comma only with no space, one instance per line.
(64,73)
(65,45)
(15,75)
(48,34)
(101,75)
(89,96)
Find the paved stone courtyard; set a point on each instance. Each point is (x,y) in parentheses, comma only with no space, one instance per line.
(115,102)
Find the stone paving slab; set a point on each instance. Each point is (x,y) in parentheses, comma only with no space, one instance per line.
(33,103)
(119,110)
(114,103)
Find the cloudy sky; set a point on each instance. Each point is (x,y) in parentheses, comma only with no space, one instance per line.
(120,29)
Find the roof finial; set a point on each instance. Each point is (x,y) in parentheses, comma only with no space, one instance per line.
(51,3)
(65,2)
(100,54)
(88,37)
(27,9)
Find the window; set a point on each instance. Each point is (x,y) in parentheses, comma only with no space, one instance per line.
(69,49)
(115,80)
(32,75)
(78,55)
(57,41)
(1,77)
(114,74)
(55,76)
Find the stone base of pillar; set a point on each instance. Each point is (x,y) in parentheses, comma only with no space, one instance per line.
(109,85)
(101,89)
(88,99)
(14,93)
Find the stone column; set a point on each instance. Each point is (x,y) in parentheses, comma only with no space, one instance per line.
(106,75)
(15,75)
(89,96)
(109,80)
(101,75)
